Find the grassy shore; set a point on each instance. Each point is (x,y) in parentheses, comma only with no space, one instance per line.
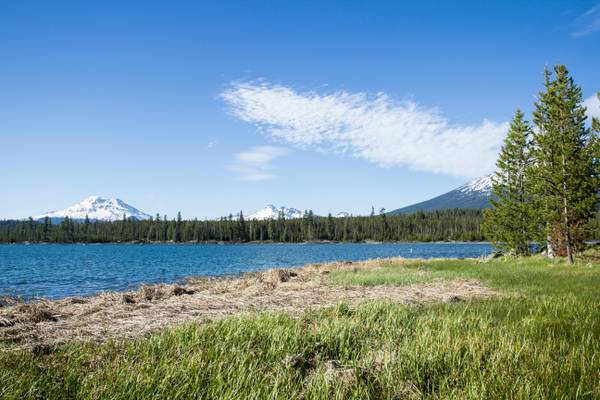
(539,337)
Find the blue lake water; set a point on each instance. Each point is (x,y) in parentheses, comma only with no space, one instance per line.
(56,271)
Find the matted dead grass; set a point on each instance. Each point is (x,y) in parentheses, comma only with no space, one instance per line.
(133,314)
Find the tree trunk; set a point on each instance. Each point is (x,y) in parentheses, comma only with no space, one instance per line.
(549,248)
(569,253)
(568,235)
(566,210)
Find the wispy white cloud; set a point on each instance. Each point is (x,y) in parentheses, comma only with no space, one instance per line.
(593,106)
(374,128)
(211,144)
(255,164)
(588,22)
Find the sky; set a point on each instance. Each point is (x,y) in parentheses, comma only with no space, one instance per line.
(213,107)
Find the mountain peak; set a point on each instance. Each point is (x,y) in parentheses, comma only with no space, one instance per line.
(97,208)
(272,212)
(475,194)
(342,214)
(483,184)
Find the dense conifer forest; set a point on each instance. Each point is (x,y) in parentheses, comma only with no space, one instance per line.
(458,224)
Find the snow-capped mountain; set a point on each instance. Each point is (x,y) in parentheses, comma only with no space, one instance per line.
(475,194)
(342,214)
(480,185)
(272,212)
(97,208)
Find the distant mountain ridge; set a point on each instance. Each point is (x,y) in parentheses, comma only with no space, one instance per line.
(96,208)
(272,212)
(475,194)
(342,214)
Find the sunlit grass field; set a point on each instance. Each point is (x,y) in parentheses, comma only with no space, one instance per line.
(538,338)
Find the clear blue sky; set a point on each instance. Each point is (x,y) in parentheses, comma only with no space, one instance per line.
(213,107)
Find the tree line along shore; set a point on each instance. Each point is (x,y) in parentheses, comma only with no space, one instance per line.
(448,225)
(456,225)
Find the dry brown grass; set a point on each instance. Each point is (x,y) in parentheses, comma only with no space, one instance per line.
(132,314)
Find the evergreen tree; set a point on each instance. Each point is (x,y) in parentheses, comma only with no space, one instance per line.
(123,227)
(513,223)
(157,229)
(177,231)
(86,227)
(329,227)
(241,233)
(565,176)
(383,226)
(170,235)
(46,229)
(67,230)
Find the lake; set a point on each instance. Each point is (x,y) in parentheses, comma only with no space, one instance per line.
(60,270)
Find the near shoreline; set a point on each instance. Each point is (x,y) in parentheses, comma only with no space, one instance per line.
(118,315)
(519,328)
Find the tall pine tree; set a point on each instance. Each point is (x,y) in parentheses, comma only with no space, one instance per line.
(565,176)
(177,229)
(513,223)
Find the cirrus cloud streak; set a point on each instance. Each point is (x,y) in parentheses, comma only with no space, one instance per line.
(588,22)
(255,164)
(374,128)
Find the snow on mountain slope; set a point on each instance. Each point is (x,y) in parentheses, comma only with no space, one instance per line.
(481,185)
(475,194)
(272,212)
(97,208)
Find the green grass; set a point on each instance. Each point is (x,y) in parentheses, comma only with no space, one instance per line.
(540,339)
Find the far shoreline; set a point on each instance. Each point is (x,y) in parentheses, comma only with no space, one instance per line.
(256,242)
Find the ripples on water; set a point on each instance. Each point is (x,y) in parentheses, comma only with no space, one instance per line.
(56,271)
